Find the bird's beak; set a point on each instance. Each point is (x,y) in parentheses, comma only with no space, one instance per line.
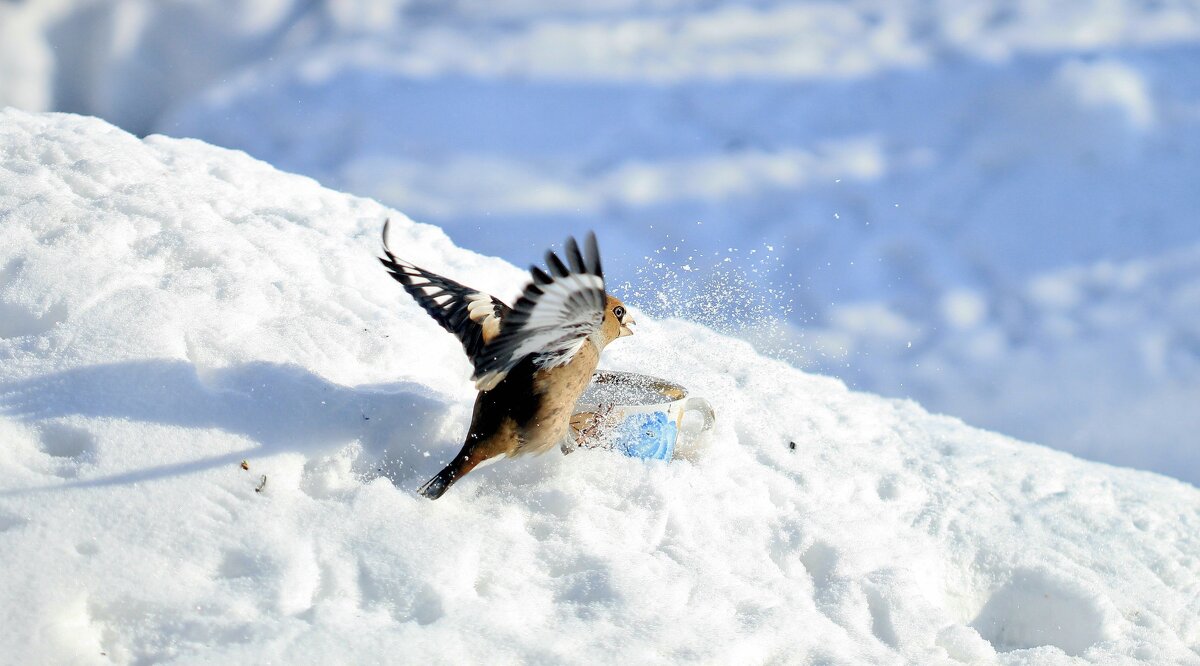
(625,328)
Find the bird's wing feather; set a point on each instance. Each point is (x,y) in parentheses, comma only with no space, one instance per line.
(471,315)
(553,318)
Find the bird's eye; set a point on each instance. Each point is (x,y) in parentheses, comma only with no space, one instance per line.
(619,311)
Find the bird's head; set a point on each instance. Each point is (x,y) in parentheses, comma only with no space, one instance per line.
(617,320)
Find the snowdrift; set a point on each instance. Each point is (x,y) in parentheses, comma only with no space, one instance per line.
(169,309)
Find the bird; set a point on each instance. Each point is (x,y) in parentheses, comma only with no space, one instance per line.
(531,361)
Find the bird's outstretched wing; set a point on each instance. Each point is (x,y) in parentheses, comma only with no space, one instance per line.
(471,315)
(552,319)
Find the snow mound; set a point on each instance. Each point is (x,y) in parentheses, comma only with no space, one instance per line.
(169,309)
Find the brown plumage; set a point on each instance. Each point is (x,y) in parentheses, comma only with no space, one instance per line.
(532,361)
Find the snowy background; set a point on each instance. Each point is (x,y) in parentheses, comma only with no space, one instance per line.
(987,206)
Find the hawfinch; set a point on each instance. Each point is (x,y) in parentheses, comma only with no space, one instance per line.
(532,361)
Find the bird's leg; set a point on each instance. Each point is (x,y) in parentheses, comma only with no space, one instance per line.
(575,436)
(593,421)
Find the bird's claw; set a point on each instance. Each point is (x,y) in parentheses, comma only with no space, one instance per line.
(595,422)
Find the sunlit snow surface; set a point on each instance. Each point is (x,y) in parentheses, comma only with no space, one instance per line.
(987,206)
(171,309)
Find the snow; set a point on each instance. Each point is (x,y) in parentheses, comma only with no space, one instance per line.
(171,309)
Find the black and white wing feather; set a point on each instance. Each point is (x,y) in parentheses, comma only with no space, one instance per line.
(553,318)
(471,315)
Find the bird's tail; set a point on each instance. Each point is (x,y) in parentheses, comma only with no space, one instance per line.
(440,483)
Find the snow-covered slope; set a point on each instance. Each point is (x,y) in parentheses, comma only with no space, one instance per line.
(169,309)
